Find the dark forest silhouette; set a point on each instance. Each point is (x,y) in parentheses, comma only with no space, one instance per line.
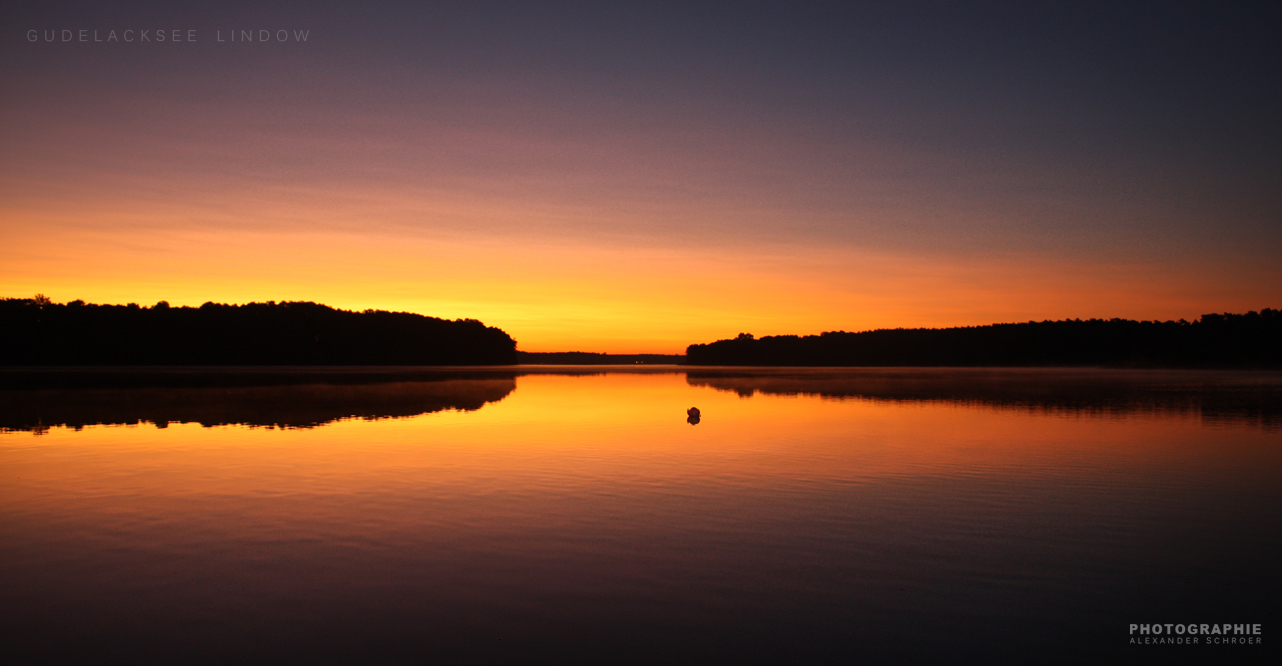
(36,331)
(1251,340)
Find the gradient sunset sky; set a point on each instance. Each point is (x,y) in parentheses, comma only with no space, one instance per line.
(639,177)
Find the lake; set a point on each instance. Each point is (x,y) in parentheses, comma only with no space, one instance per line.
(501,514)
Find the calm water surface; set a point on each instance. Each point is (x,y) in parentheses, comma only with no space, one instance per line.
(828,516)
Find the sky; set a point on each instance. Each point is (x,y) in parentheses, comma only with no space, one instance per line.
(638,177)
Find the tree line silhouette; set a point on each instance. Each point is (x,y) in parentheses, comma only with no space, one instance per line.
(1251,340)
(36,331)
(594,358)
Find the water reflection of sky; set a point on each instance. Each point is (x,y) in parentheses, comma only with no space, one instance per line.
(307,398)
(581,517)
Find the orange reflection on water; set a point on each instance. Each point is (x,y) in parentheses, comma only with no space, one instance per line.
(586,506)
(567,435)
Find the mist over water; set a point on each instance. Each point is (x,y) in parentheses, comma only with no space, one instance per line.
(882,514)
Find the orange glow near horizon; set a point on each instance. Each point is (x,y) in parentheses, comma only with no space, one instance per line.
(586,243)
(601,298)
(569,243)
(619,200)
